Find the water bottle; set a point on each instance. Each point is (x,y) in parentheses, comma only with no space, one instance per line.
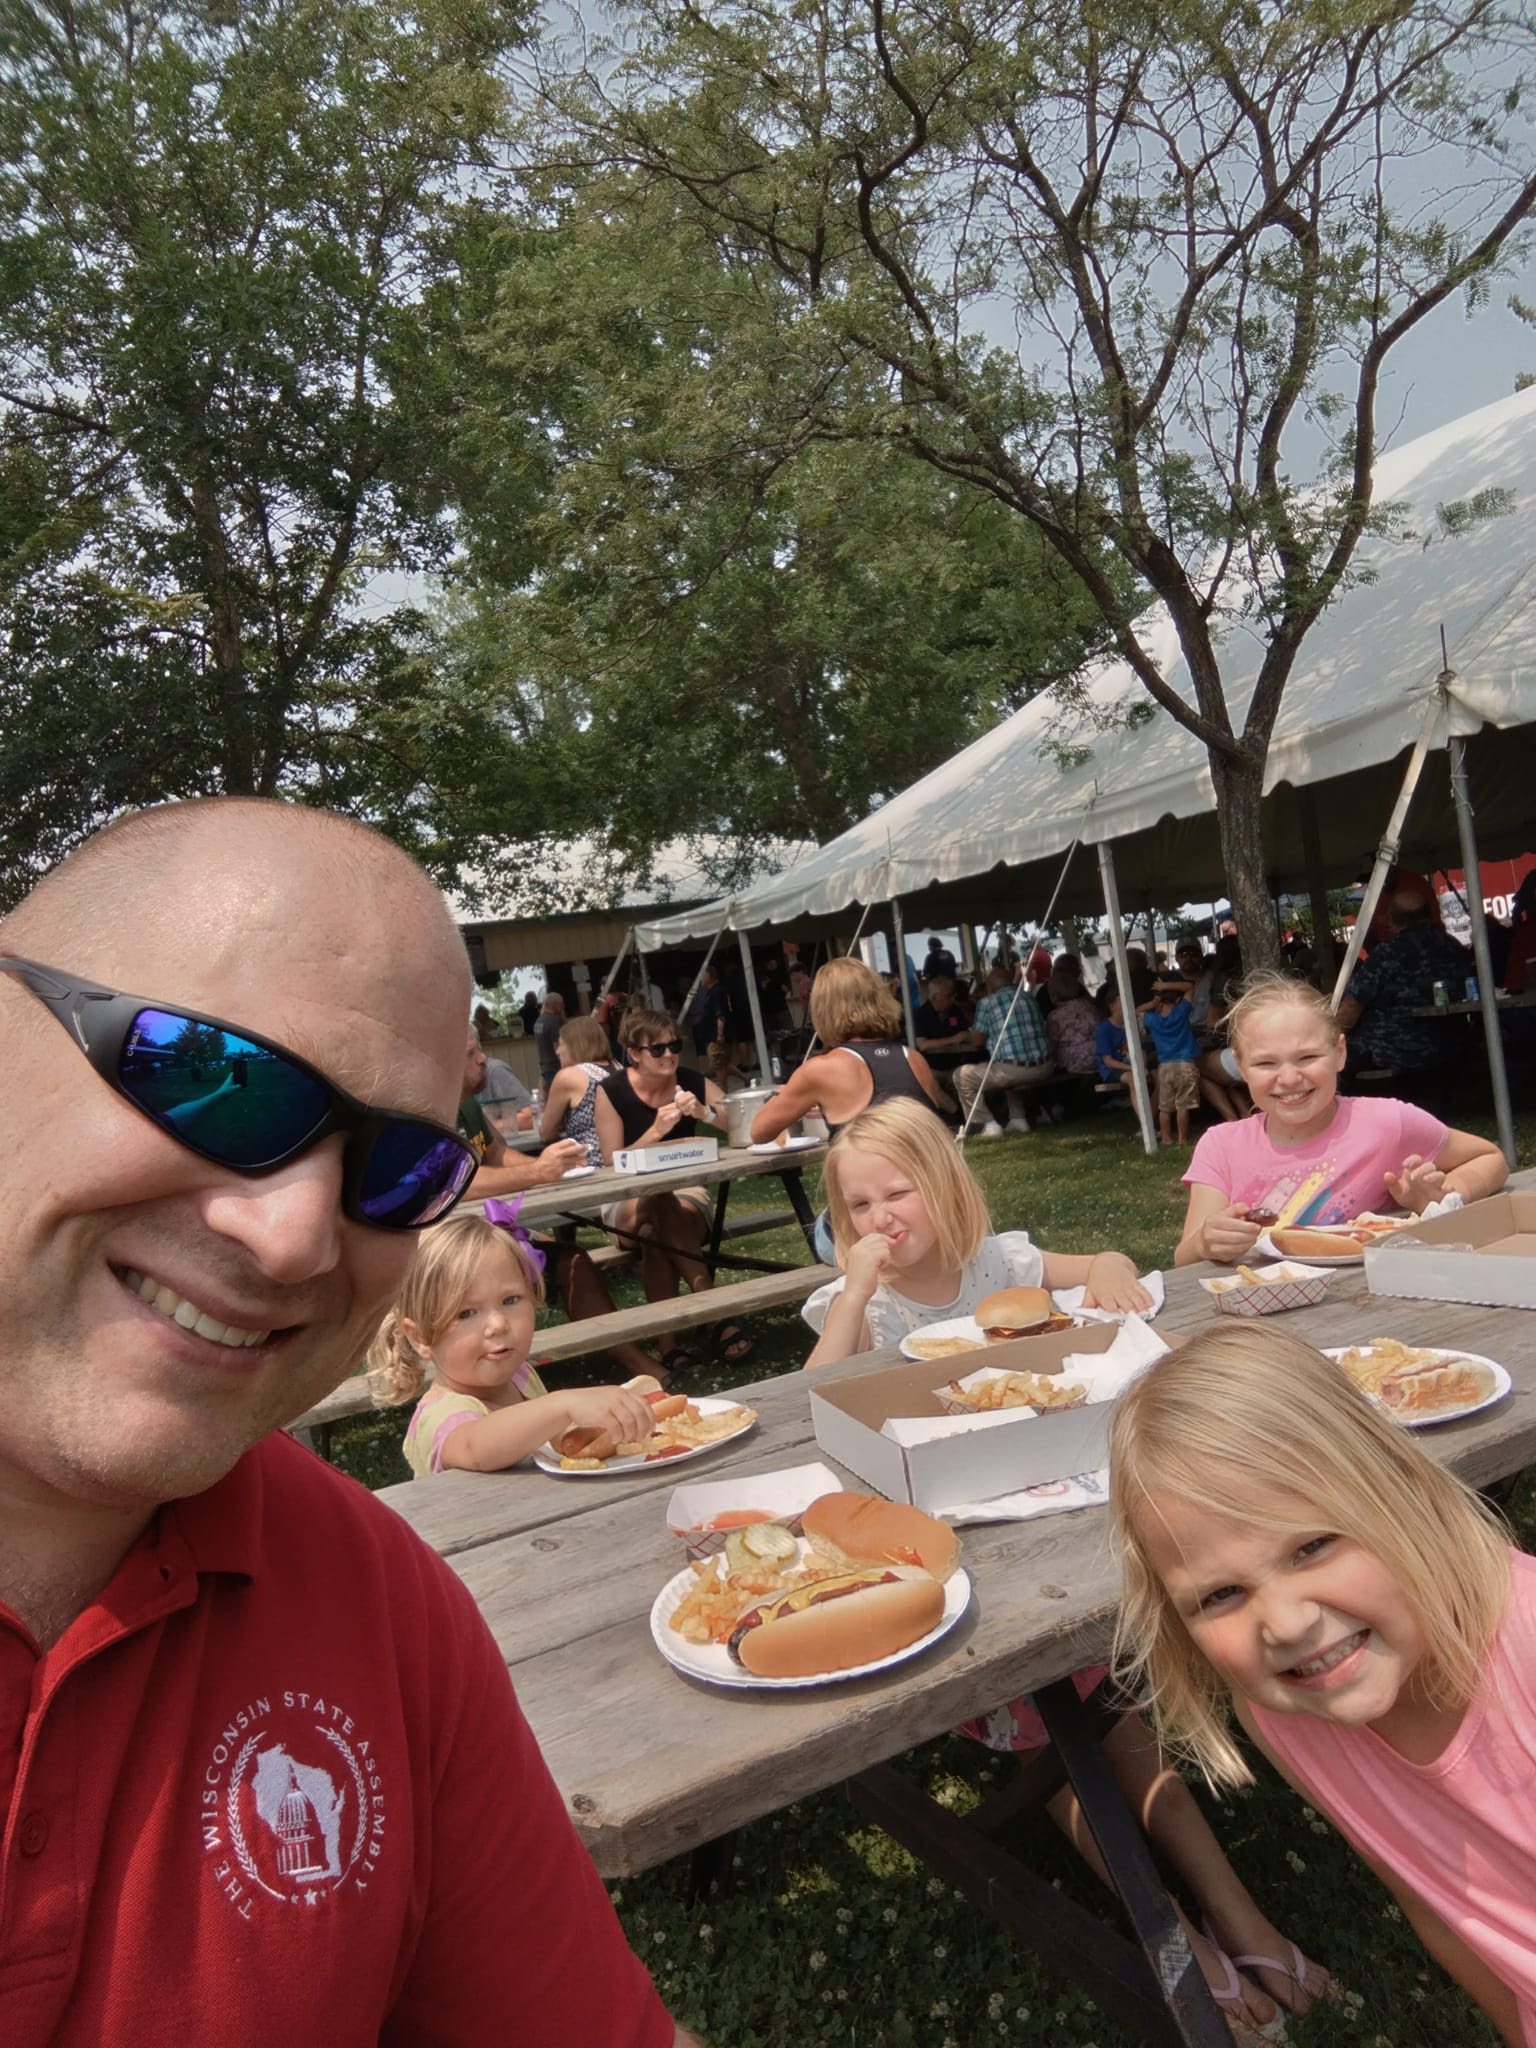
(1440,996)
(538,1104)
(1472,995)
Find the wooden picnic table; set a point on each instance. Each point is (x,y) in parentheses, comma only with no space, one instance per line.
(578,1200)
(653,1765)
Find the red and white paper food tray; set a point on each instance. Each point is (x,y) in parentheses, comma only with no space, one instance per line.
(781,1497)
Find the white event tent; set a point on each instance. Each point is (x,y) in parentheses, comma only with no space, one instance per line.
(987,834)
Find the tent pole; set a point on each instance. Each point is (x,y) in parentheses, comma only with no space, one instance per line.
(618,961)
(1133,1047)
(968,947)
(1386,853)
(899,948)
(765,1072)
(1485,995)
(1317,881)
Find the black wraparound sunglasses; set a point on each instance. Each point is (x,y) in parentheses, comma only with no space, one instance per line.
(250,1105)
(659,1048)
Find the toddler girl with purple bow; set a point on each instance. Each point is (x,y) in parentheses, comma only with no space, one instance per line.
(457,1342)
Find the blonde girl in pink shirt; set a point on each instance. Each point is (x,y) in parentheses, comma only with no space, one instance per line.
(1291,1553)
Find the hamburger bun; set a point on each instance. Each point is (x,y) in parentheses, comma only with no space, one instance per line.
(1314,1244)
(1015,1311)
(859,1529)
(836,1627)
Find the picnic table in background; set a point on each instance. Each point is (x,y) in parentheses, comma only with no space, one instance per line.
(566,1571)
(562,1205)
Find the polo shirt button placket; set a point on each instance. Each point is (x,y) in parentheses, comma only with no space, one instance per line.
(32,1835)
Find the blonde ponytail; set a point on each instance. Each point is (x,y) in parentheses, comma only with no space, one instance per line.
(396,1369)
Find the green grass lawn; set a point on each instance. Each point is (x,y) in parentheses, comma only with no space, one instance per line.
(830,1933)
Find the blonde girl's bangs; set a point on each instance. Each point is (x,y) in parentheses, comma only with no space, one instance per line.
(1260,1428)
(436,1283)
(919,1143)
(1265,990)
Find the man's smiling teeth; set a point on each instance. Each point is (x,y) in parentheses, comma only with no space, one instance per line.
(190,1316)
(1329,1658)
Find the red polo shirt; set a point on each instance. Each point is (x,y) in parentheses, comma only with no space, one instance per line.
(272,1786)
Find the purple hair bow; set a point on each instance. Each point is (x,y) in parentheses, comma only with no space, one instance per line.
(504,1216)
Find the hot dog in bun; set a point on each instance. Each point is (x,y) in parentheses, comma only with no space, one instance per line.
(602,1443)
(837,1623)
(1315,1244)
(861,1529)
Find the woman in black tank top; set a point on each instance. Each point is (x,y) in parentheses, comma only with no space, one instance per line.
(859,1021)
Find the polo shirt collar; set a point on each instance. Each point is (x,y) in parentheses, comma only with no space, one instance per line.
(220,1529)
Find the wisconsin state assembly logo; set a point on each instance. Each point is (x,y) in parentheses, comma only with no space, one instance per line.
(291,1803)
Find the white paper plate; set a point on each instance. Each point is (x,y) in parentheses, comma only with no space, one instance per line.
(714,1664)
(956,1326)
(577,1172)
(1501,1385)
(547,1458)
(789,1145)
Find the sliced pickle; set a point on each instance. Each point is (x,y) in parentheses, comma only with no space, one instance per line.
(769,1541)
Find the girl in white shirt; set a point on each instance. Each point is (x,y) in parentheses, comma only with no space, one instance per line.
(915,1243)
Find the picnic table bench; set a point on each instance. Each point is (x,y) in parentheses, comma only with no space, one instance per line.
(565,1571)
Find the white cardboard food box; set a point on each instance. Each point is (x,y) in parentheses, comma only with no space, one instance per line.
(661,1158)
(779,1496)
(1484,1253)
(976,1456)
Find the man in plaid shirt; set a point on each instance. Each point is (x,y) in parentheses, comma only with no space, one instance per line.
(1020,1049)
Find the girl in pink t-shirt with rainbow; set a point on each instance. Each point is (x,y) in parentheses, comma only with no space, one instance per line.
(1314,1156)
(1289,1548)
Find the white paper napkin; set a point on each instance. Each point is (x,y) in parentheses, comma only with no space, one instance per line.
(1070,1301)
(1061,1497)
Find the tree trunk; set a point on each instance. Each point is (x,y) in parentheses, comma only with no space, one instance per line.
(226,647)
(1239,789)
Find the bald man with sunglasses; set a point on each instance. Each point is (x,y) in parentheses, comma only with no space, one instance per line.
(262,1774)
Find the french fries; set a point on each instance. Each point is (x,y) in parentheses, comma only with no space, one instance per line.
(1383,1358)
(718,1598)
(1017,1390)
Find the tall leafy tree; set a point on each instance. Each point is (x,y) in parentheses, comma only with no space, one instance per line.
(730,632)
(224,260)
(1123,267)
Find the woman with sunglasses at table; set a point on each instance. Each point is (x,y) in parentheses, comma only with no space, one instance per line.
(649,1101)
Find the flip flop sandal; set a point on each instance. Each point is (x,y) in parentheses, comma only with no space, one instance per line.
(1230,1996)
(675,1365)
(735,1345)
(1295,1969)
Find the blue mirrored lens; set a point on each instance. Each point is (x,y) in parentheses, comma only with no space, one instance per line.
(234,1100)
(413,1173)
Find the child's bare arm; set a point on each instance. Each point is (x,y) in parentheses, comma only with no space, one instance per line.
(1110,1278)
(845,1333)
(493,1442)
